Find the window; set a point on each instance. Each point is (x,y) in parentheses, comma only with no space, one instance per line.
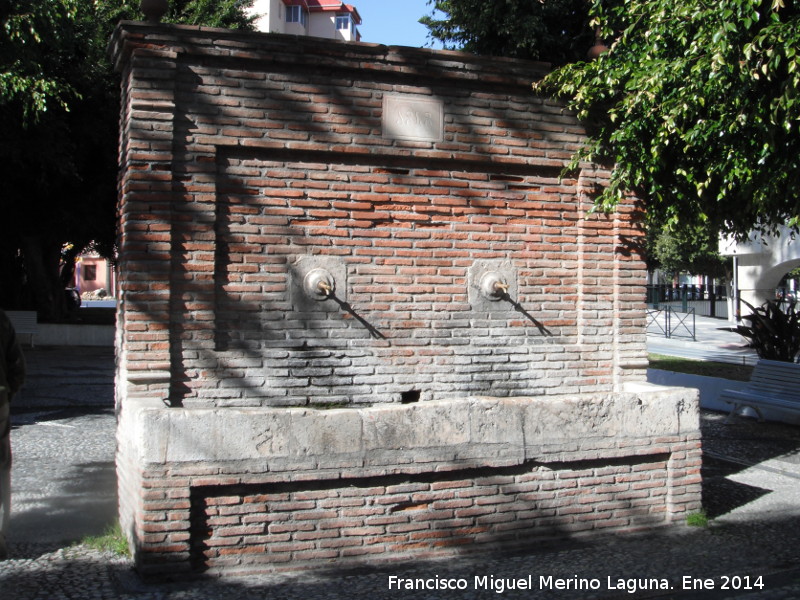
(296,14)
(90,272)
(343,22)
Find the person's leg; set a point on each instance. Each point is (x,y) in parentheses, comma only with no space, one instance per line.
(5,475)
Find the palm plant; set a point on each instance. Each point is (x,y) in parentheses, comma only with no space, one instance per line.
(773,332)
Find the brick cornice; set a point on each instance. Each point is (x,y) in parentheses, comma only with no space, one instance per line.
(306,51)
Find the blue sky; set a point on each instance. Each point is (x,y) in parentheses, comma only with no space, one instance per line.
(393,22)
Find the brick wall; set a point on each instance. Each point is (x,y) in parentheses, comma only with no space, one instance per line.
(244,155)
(302,523)
(250,490)
(250,162)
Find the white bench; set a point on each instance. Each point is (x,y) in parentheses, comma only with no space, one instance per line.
(24,321)
(773,384)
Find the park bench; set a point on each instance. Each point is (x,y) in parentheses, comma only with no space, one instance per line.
(773,384)
(24,322)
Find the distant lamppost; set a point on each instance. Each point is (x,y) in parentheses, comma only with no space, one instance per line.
(154,9)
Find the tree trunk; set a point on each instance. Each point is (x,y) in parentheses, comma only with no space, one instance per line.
(12,294)
(42,260)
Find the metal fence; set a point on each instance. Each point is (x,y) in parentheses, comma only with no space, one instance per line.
(671,323)
(703,301)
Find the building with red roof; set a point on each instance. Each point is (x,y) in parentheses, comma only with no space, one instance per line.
(330,19)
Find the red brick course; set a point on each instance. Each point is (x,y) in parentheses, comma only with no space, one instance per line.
(299,523)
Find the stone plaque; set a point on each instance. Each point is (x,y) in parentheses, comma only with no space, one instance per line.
(414,118)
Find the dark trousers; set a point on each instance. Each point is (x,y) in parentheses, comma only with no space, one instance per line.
(5,471)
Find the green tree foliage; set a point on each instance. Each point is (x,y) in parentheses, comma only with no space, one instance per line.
(229,14)
(555,31)
(28,26)
(59,113)
(690,250)
(696,107)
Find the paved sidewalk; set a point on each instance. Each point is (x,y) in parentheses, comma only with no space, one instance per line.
(64,489)
(712,341)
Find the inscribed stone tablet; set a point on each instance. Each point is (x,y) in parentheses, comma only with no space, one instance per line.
(407,117)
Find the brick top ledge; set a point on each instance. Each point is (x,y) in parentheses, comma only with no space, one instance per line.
(212,42)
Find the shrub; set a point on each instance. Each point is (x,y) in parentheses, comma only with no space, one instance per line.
(773,333)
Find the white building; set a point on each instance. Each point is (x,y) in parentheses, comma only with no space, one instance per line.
(330,19)
(761,263)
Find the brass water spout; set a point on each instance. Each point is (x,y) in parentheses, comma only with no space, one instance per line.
(501,288)
(319,284)
(494,286)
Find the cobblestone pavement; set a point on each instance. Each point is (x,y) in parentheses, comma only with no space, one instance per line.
(64,489)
